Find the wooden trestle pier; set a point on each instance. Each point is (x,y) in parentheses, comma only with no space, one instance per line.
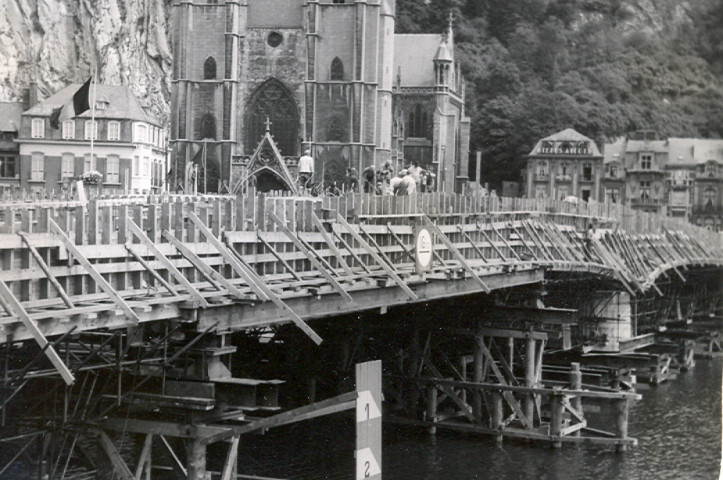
(173,318)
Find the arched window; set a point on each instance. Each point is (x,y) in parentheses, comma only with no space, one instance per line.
(335,130)
(208,126)
(274,101)
(337,69)
(417,122)
(209,69)
(709,195)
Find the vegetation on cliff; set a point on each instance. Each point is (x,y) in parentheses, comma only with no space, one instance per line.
(603,67)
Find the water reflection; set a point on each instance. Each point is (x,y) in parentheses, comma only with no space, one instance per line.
(677,424)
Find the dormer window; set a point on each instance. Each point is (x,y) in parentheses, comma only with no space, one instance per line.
(37,128)
(646,161)
(101,105)
(711,169)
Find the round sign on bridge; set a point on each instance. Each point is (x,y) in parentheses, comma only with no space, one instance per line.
(423,248)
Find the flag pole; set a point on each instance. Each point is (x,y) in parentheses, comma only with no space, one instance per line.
(94,128)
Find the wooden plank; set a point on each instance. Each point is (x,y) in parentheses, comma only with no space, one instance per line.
(471,242)
(310,255)
(330,242)
(506,394)
(342,402)
(136,230)
(145,456)
(230,465)
(201,265)
(248,276)
(278,257)
(151,270)
(254,281)
(46,270)
(456,253)
(13,307)
(119,465)
(377,258)
(100,281)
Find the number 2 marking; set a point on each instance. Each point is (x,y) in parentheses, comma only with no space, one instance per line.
(366,469)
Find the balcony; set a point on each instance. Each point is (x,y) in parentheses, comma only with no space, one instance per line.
(707,210)
(646,202)
(563,178)
(542,177)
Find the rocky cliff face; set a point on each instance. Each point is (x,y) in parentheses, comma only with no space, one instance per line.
(56,42)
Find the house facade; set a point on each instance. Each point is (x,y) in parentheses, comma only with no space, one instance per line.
(565,164)
(678,177)
(129,145)
(330,76)
(10,114)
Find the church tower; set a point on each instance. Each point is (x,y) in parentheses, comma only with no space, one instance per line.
(316,73)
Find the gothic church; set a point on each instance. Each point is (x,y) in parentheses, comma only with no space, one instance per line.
(330,76)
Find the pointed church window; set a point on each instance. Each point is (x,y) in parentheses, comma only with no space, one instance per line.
(335,130)
(337,69)
(272,101)
(208,126)
(209,69)
(417,126)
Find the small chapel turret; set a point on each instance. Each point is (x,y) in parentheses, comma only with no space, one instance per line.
(443,59)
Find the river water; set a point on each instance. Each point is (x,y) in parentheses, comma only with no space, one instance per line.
(677,424)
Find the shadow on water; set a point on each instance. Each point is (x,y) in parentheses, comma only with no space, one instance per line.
(678,425)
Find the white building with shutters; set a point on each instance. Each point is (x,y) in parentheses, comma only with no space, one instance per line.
(129,145)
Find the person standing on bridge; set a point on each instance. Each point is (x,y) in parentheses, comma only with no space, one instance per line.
(306,170)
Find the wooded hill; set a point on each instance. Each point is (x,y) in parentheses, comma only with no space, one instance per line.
(603,67)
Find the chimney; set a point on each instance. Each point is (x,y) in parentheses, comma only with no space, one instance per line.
(32,94)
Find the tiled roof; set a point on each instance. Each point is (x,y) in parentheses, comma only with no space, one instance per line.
(10,113)
(121,103)
(414,53)
(615,152)
(694,150)
(567,135)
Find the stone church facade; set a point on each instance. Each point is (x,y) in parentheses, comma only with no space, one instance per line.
(330,76)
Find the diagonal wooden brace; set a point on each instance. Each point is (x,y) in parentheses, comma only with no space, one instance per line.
(229,258)
(102,283)
(460,258)
(253,280)
(314,261)
(13,306)
(46,270)
(200,265)
(138,232)
(368,249)
(330,242)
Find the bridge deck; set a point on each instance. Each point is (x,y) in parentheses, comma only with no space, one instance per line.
(235,263)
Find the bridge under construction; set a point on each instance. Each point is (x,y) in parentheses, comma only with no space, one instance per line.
(186,323)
